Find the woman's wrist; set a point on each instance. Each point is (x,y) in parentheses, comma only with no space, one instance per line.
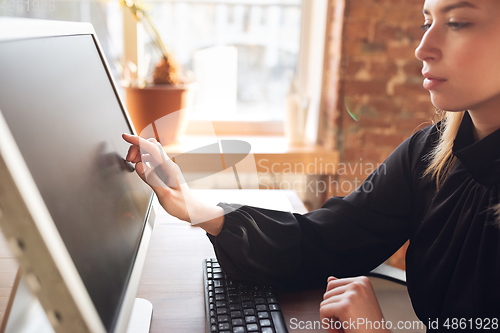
(214,225)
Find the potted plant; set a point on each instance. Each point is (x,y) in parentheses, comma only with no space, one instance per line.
(157,106)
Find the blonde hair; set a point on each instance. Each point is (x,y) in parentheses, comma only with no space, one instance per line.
(441,157)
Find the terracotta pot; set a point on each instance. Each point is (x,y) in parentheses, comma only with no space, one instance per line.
(159,111)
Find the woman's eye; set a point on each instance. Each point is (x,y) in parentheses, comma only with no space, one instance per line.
(425,27)
(457,25)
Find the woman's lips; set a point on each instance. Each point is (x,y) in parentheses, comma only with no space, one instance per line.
(431,82)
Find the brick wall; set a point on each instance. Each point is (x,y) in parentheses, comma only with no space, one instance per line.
(372,72)
(377,79)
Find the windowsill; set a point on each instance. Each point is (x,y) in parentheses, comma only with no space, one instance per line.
(272,154)
(234,128)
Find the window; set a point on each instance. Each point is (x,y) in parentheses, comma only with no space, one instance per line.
(242,53)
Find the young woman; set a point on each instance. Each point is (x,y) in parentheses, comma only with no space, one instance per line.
(440,189)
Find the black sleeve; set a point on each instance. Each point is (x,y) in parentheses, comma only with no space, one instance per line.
(346,237)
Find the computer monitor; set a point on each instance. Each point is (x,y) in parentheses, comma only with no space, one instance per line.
(73,211)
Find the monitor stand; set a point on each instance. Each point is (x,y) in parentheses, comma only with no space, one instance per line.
(25,314)
(140,318)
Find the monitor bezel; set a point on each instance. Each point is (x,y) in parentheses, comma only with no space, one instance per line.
(29,205)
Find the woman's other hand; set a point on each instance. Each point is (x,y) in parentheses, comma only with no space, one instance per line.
(351,300)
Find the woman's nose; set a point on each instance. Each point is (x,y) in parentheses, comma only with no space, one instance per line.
(429,46)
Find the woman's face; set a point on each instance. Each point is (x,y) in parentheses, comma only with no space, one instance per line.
(460,51)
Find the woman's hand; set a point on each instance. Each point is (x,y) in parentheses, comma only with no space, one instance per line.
(165,178)
(351,300)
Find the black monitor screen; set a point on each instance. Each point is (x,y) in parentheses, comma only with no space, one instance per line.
(64,114)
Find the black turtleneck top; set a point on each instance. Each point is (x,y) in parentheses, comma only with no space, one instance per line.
(452,262)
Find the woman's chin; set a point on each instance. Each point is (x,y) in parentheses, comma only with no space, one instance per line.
(447,105)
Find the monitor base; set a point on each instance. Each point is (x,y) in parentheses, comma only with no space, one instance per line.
(140,319)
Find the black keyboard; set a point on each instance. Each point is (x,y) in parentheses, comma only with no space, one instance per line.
(235,307)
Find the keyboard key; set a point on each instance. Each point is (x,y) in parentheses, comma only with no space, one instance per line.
(209,270)
(266,330)
(265,322)
(209,276)
(237,322)
(214,328)
(279,322)
(220,304)
(220,297)
(223,318)
(252,327)
(215,276)
(233,300)
(247,305)
(213,320)
(249,312)
(235,314)
(272,300)
(262,307)
(217,283)
(212,306)
(217,270)
(221,311)
(274,307)
(238,329)
(259,301)
(219,290)
(245,298)
(263,315)
(210,282)
(215,264)
(250,319)
(224,326)
(234,307)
